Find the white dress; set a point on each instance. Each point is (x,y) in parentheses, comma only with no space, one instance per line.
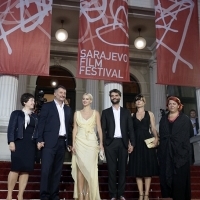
(86,157)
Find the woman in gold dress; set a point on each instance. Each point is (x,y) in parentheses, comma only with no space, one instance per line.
(85,151)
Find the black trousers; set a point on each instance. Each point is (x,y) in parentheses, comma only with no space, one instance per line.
(116,157)
(51,169)
(180,189)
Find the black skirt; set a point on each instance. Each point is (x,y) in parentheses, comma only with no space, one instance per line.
(142,161)
(23,158)
(180,188)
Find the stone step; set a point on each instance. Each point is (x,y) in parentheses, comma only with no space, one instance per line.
(102,179)
(67,166)
(29,194)
(66,185)
(102,186)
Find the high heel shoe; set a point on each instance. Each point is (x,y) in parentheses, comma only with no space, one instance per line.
(86,196)
(80,196)
(146,197)
(141,197)
(19,198)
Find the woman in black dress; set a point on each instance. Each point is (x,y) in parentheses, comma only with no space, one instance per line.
(143,160)
(22,130)
(174,152)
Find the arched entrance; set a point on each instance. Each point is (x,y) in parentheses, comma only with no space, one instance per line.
(130,90)
(63,77)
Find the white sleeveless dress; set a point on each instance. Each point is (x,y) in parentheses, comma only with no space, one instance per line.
(86,157)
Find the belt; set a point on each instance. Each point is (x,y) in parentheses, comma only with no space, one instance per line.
(62,137)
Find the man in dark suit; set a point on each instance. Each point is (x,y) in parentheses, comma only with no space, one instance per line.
(118,139)
(54,136)
(195,121)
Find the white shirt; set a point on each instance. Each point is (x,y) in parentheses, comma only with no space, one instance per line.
(116,113)
(62,131)
(27,117)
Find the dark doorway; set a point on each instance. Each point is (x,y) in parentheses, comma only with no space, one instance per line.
(61,76)
(130,90)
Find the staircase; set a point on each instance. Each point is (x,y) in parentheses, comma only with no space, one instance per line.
(66,184)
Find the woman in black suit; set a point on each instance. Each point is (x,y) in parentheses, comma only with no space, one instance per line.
(22,130)
(174,152)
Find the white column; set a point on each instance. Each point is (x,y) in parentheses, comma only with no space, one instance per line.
(152,88)
(8,98)
(198,89)
(107,88)
(92,87)
(158,93)
(22,84)
(198,102)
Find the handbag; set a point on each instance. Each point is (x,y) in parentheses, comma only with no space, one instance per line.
(149,143)
(101,155)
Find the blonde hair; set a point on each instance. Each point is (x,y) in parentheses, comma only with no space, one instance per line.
(89,95)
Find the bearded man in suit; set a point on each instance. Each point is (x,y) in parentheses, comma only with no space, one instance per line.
(118,139)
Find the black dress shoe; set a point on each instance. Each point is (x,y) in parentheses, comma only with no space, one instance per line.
(122,198)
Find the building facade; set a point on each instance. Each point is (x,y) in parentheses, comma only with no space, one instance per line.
(63,64)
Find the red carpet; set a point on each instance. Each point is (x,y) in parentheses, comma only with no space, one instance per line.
(66,184)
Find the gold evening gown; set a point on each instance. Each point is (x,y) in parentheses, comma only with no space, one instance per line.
(86,157)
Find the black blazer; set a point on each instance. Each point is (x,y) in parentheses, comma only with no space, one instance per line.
(49,124)
(108,126)
(16,126)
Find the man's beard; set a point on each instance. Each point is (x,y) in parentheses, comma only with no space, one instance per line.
(115,102)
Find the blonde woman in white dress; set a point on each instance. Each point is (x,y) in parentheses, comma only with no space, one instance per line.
(85,151)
